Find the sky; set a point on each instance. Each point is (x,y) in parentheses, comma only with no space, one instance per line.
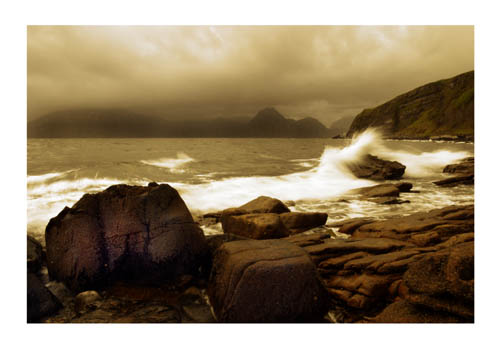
(192,72)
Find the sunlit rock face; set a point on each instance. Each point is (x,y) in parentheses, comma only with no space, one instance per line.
(124,233)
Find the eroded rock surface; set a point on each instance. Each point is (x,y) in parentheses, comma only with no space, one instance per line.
(124,232)
(265,281)
(418,268)
(268,218)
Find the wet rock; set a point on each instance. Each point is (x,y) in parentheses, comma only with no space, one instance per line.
(41,302)
(340,247)
(404,187)
(125,232)
(369,285)
(265,281)
(380,190)
(350,225)
(457,180)
(62,293)
(255,226)
(303,240)
(298,222)
(418,222)
(444,280)
(425,259)
(35,254)
(199,313)
(466,166)
(405,312)
(447,271)
(88,300)
(389,201)
(262,204)
(268,218)
(378,169)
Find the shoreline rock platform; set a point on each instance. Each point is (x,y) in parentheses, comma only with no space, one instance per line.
(270,265)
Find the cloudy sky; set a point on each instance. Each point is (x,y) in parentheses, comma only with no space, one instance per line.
(200,71)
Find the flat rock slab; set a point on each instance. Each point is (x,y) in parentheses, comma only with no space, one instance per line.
(298,222)
(454,181)
(268,218)
(372,245)
(124,233)
(255,226)
(419,222)
(376,191)
(265,281)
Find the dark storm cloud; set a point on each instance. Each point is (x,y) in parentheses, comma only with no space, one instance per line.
(322,71)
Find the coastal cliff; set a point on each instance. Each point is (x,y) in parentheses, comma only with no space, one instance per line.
(444,107)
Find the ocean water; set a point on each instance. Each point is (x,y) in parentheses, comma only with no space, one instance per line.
(214,174)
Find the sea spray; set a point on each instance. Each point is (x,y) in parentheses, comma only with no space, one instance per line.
(225,181)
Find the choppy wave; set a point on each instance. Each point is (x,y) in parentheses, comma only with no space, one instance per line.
(34,180)
(173,164)
(322,183)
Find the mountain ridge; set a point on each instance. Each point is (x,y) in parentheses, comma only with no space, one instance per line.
(118,123)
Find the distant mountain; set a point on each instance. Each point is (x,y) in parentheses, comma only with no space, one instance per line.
(444,107)
(341,126)
(270,123)
(115,123)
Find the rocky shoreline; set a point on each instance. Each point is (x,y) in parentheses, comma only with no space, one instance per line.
(135,255)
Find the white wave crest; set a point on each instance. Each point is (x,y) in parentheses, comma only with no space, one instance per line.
(173,164)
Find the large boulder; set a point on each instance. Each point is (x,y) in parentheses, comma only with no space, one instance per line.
(372,167)
(265,281)
(41,302)
(124,232)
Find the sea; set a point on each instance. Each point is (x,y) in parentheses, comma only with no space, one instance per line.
(212,174)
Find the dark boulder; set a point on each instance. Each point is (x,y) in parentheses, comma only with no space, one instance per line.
(404,187)
(265,281)
(35,253)
(466,166)
(372,167)
(380,190)
(124,232)
(41,302)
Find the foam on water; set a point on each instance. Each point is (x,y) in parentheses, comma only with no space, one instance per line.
(318,187)
(173,164)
